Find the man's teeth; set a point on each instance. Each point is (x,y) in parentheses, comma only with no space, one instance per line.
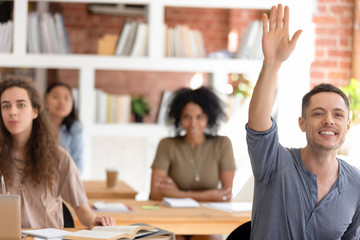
(330,133)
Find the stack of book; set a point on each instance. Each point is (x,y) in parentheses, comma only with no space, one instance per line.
(133,39)
(181,41)
(112,108)
(250,45)
(6,36)
(47,34)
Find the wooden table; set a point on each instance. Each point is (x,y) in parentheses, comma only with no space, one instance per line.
(192,221)
(96,189)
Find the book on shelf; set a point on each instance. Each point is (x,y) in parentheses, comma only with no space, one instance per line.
(166,40)
(122,37)
(49,38)
(182,41)
(129,43)
(47,33)
(123,108)
(63,33)
(54,35)
(136,231)
(139,48)
(107,44)
(250,41)
(185,35)
(165,101)
(112,108)
(179,42)
(34,40)
(195,52)
(200,43)
(256,49)
(6,36)
(170,42)
(100,106)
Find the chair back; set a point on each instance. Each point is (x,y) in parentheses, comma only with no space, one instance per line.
(68,219)
(241,233)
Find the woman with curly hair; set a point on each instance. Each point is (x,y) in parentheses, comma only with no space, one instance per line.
(60,106)
(196,163)
(34,166)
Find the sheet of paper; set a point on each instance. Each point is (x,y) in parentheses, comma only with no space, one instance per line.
(180,202)
(110,207)
(47,233)
(230,206)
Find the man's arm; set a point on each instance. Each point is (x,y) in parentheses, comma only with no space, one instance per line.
(276,48)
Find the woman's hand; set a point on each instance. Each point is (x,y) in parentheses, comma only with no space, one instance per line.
(102,221)
(218,195)
(88,218)
(167,186)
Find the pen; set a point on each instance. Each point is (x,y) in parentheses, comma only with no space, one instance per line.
(3,185)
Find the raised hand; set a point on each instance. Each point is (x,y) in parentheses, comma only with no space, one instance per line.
(276,48)
(275,42)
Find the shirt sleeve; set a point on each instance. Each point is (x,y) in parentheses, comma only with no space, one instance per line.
(162,157)
(227,161)
(71,188)
(263,148)
(76,146)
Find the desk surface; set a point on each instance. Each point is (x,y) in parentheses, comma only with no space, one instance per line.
(96,189)
(192,221)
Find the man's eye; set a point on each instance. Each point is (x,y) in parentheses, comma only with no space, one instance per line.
(339,115)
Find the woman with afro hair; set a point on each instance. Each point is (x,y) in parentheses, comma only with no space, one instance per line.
(196,163)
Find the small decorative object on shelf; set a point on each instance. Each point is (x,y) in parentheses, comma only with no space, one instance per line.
(139,107)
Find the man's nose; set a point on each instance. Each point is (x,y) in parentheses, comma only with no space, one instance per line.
(329,120)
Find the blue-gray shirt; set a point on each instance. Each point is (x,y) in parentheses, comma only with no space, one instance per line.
(73,143)
(285,195)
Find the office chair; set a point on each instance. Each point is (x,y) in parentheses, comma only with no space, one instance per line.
(241,233)
(68,219)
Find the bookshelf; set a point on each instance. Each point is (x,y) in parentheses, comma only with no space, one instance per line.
(87,64)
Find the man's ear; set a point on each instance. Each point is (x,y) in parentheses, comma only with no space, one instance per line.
(301,122)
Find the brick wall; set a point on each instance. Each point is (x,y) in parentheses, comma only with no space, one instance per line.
(333,42)
(84,29)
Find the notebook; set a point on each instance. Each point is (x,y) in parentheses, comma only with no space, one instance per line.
(10,217)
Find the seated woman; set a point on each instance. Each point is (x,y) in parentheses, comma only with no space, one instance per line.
(196,163)
(60,105)
(34,166)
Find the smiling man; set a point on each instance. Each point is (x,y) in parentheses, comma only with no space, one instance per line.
(305,193)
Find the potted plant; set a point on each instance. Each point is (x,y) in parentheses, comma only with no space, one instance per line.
(350,147)
(353,92)
(139,107)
